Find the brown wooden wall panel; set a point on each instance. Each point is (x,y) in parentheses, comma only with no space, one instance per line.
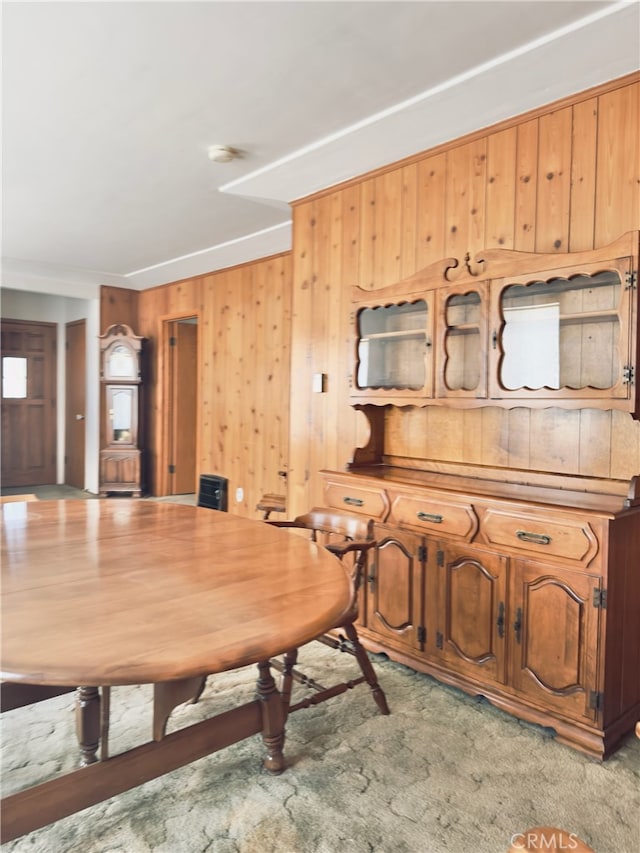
(409,237)
(320,440)
(302,344)
(388,228)
(618,163)
(367,213)
(583,175)
(565,178)
(501,189)
(118,305)
(430,230)
(526,181)
(245,378)
(350,236)
(465,195)
(554,181)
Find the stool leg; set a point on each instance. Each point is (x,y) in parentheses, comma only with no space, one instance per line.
(366,667)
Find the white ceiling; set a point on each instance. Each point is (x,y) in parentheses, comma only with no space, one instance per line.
(108,110)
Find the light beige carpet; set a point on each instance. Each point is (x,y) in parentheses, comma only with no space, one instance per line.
(445,772)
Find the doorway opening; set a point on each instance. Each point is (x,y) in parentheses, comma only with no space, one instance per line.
(180,337)
(75,403)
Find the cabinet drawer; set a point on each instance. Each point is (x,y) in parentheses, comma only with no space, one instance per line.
(446,518)
(569,539)
(371,502)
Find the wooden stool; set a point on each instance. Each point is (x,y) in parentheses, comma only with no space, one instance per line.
(547,839)
(271,503)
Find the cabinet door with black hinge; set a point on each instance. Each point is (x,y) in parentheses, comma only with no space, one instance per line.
(555,616)
(471,632)
(395,589)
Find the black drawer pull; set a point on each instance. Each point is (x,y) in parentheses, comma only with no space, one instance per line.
(430,516)
(353,501)
(537,538)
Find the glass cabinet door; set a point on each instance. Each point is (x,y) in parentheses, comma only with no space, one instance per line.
(463,349)
(122,415)
(393,349)
(564,333)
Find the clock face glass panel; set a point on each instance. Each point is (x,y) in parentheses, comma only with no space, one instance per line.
(121,363)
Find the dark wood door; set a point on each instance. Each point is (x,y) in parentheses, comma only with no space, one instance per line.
(75,379)
(28,403)
(183,426)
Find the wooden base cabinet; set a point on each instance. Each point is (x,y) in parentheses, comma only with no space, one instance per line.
(120,472)
(528,596)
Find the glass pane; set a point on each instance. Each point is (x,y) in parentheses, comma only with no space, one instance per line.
(121,364)
(462,342)
(14,377)
(562,333)
(392,346)
(122,403)
(531,340)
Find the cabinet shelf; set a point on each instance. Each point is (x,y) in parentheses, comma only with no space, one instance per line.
(392,336)
(589,317)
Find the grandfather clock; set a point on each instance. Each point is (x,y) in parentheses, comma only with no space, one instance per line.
(121,378)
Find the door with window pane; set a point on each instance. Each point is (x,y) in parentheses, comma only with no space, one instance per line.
(28,403)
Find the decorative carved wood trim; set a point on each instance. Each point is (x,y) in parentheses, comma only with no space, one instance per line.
(633,495)
(498,263)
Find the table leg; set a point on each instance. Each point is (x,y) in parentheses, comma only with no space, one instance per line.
(167,695)
(272,719)
(88,723)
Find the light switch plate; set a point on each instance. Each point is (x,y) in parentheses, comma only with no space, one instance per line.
(319,382)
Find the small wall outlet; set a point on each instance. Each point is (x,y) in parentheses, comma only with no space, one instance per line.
(239,494)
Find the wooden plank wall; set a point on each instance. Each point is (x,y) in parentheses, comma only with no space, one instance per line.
(118,305)
(243,376)
(566,178)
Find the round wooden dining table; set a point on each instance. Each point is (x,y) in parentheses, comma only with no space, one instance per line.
(127,591)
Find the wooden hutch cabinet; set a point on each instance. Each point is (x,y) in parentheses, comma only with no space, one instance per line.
(503,329)
(521,586)
(121,377)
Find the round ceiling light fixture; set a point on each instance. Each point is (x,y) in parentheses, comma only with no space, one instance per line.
(222,153)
